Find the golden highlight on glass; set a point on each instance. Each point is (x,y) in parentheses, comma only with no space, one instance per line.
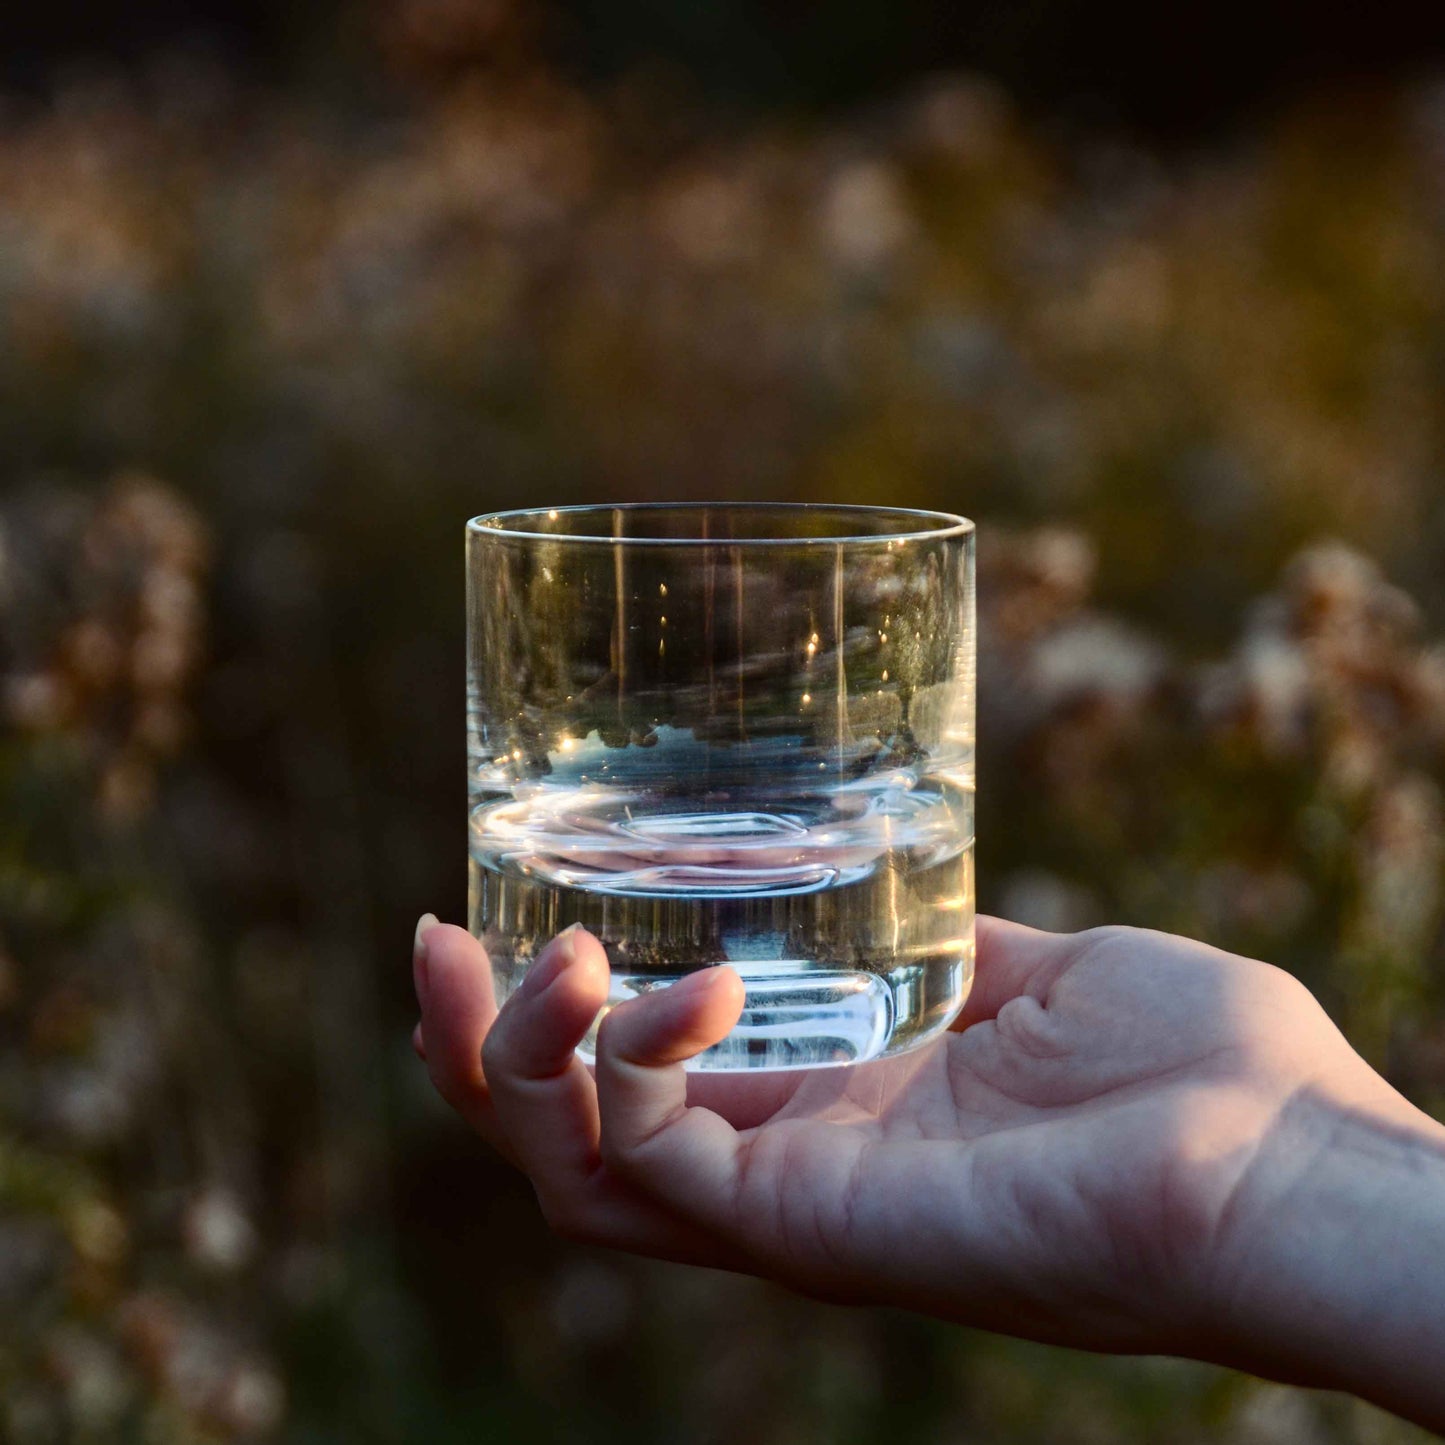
(731,734)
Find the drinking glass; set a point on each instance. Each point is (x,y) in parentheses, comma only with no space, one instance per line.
(736,734)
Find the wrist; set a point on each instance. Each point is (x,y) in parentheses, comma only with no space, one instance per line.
(1330,1267)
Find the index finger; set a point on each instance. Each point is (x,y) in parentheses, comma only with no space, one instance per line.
(459,1007)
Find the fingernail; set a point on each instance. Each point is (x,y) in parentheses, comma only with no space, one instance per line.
(418,954)
(418,942)
(553,963)
(418,1043)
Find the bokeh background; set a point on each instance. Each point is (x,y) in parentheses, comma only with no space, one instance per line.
(286,293)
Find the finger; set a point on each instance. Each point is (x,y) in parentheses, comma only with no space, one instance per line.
(547,1103)
(1011,960)
(772,1197)
(454,984)
(418,1044)
(686,1157)
(543,1094)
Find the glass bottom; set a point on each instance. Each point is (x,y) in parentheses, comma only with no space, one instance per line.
(800,1015)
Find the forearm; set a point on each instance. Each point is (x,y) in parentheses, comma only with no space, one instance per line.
(1341,1281)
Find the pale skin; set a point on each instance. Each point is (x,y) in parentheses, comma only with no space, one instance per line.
(1129,1142)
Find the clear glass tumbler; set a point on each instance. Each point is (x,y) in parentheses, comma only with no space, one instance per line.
(731,734)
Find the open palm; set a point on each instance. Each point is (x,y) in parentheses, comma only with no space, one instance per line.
(1061,1165)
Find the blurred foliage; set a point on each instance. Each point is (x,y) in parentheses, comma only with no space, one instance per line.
(260,354)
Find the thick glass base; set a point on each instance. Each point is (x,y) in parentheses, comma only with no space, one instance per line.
(868,964)
(798,1015)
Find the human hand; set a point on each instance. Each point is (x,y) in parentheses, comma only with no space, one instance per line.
(1093,1157)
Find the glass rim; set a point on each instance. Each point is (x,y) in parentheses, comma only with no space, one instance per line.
(937,525)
